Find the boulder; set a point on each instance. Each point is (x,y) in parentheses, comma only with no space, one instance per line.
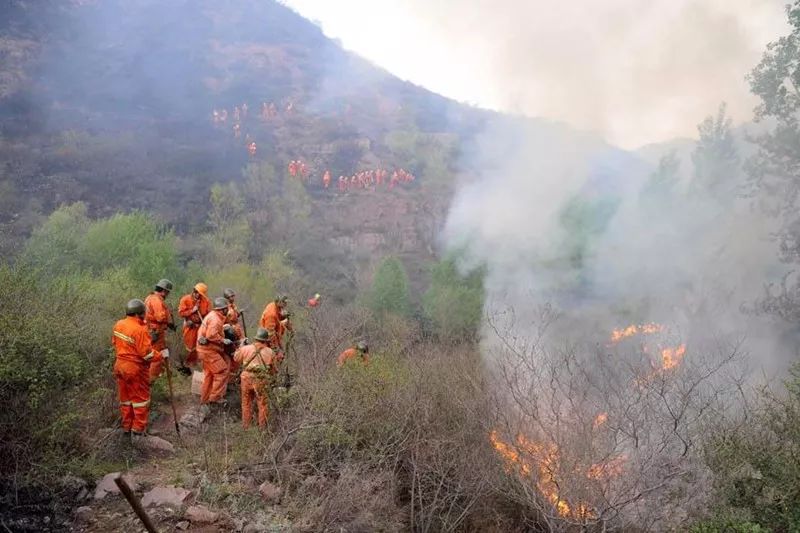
(107,486)
(183,525)
(193,418)
(270,492)
(84,514)
(151,442)
(199,514)
(169,496)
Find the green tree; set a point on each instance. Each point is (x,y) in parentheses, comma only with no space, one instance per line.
(774,171)
(663,181)
(715,158)
(389,291)
(453,304)
(228,242)
(134,242)
(55,245)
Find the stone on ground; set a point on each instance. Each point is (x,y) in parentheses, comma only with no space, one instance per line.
(199,514)
(168,496)
(107,485)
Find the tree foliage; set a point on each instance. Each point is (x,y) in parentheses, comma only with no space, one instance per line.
(453,304)
(774,171)
(715,158)
(389,291)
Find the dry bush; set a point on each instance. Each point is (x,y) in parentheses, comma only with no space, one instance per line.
(407,432)
(604,439)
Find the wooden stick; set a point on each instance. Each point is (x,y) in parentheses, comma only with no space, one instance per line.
(126,491)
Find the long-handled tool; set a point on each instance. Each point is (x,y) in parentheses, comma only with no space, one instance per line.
(244,324)
(172,398)
(134,502)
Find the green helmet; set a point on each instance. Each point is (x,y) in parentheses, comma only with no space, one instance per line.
(262,335)
(134,307)
(227,293)
(164,285)
(361,346)
(220,302)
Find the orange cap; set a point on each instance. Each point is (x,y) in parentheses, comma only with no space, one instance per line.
(202,288)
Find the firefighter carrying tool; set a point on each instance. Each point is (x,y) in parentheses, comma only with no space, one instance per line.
(158,318)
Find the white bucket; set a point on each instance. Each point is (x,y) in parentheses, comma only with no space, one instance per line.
(197,382)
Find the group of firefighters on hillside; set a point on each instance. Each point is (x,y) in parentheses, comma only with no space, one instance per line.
(214,335)
(366,179)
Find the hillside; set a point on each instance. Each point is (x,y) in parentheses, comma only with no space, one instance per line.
(110,103)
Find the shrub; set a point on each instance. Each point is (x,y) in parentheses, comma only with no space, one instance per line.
(389,291)
(453,304)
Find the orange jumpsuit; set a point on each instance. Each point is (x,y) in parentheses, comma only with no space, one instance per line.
(260,363)
(191,321)
(233,318)
(271,320)
(157,315)
(351,353)
(326,179)
(215,368)
(131,342)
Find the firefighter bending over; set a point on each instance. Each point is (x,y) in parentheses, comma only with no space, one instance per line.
(259,367)
(360,350)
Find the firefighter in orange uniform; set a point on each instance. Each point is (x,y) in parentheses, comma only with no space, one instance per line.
(259,366)
(131,341)
(314,302)
(233,318)
(211,344)
(359,350)
(326,179)
(272,319)
(193,308)
(158,318)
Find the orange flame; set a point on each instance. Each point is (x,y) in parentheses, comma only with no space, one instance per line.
(645,329)
(672,357)
(600,419)
(544,461)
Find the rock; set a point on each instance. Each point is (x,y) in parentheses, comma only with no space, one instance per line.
(169,495)
(84,514)
(151,442)
(199,514)
(194,417)
(270,492)
(107,485)
(183,525)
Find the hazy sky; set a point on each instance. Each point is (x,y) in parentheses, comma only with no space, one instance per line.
(636,71)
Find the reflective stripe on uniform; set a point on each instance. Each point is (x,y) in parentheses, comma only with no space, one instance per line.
(148,356)
(125,403)
(124,337)
(140,404)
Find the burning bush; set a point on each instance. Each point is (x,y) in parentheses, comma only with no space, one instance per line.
(606,437)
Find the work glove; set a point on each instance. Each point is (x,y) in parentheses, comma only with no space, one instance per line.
(171,326)
(153,335)
(165,354)
(227,342)
(202,341)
